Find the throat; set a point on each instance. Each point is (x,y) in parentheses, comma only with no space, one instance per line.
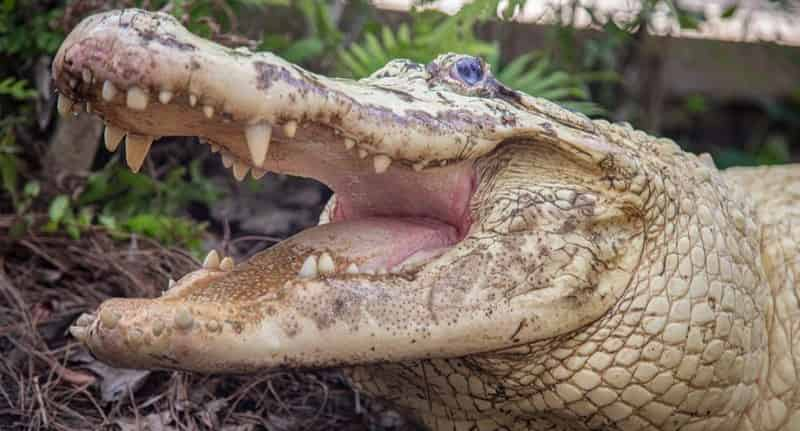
(436,197)
(393,222)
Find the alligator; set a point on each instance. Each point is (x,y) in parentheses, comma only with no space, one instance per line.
(489,260)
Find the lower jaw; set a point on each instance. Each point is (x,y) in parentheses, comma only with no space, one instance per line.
(376,244)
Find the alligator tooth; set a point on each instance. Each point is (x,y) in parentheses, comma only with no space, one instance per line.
(309,269)
(112,137)
(290,128)
(258,173)
(137,99)
(226,264)
(240,170)
(89,107)
(214,147)
(258,136)
(418,166)
(227,160)
(64,105)
(192,99)
(208,111)
(136,149)
(78,332)
(183,319)
(212,260)
(85,319)
(381,163)
(164,96)
(109,91)
(349,143)
(73,82)
(86,74)
(325,264)
(352,269)
(362,153)
(171,283)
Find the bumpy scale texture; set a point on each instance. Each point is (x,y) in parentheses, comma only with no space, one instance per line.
(605,279)
(685,347)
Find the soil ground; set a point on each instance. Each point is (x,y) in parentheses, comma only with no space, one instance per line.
(49,382)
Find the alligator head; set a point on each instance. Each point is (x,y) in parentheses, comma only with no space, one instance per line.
(488,259)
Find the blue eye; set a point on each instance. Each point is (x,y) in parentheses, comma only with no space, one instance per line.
(469,70)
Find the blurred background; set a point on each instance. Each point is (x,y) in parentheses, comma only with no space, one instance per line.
(76,226)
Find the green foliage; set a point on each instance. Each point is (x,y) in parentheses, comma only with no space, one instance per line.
(17,89)
(9,173)
(27,30)
(774,151)
(167,230)
(62,215)
(207,17)
(533,73)
(432,33)
(127,203)
(123,193)
(21,200)
(124,204)
(429,34)
(321,34)
(696,104)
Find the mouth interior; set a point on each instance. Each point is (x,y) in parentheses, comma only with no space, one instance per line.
(392,221)
(383,221)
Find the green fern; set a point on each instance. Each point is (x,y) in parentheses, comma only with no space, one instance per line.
(433,33)
(534,74)
(321,36)
(16,89)
(430,34)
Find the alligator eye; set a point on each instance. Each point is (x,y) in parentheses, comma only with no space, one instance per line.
(469,70)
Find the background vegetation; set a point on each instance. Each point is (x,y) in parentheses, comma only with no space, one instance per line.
(337,38)
(64,227)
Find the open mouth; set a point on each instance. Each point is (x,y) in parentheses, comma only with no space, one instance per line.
(409,246)
(389,215)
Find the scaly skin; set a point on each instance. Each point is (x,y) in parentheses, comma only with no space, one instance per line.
(587,275)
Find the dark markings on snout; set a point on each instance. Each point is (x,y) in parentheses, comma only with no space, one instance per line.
(405,97)
(306,83)
(168,40)
(270,73)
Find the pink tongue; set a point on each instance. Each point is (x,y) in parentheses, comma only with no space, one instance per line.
(375,242)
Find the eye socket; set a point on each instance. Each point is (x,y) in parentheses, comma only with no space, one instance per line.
(469,70)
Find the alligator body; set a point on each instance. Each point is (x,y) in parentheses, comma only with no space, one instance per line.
(489,260)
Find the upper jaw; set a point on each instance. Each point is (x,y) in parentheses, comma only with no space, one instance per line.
(147,75)
(143,59)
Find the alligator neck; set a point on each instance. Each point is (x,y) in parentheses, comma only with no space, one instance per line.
(779,406)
